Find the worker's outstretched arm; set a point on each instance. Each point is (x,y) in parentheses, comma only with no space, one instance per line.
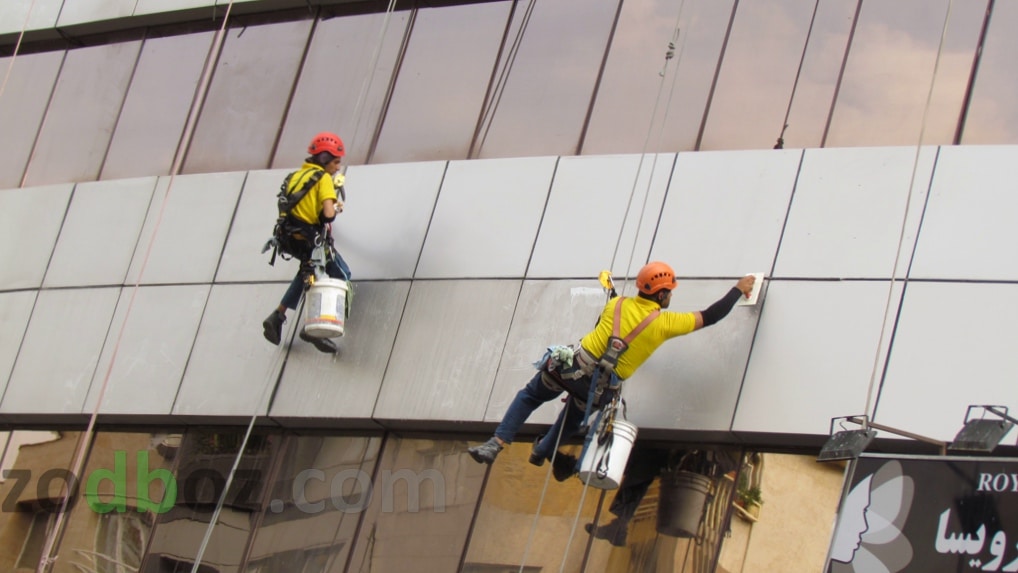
(723,306)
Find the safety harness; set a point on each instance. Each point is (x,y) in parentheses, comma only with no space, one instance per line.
(292,237)
(605,379)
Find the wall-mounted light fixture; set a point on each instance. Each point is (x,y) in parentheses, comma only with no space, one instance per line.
(848,444)
(983,434)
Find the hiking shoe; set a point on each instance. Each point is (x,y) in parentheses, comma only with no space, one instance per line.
(272,327)
(614,532)
(322,344)
(563,466)
(536,459)
(486,452)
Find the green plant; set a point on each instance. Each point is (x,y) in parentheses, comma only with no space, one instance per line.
(749,495)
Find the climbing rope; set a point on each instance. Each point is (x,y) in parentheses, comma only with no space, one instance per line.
(904,222)
(17,48)
(484,126)
(670,54)
(795,84)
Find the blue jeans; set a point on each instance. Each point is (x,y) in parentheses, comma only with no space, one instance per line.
(535,393)
(335,267)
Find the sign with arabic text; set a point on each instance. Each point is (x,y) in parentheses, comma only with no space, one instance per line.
(914,514)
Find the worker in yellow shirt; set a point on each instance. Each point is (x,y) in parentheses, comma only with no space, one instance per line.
(639,316)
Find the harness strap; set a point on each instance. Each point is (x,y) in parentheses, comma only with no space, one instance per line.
(616,326)
(291,199)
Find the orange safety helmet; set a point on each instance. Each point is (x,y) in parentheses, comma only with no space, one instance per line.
(327,141)
(655,276)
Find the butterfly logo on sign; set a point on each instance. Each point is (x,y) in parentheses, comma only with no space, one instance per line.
(868,534)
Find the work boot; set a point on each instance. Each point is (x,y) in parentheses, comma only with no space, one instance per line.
(535,458)
(272,327)
(614,532)
(486,452)
(322,344)
(563,466)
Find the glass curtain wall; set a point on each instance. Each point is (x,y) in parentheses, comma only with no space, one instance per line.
(511,78)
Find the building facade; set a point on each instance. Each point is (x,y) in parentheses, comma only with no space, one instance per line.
(500,154)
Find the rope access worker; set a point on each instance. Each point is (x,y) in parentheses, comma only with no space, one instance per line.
(574,373)
(309,223)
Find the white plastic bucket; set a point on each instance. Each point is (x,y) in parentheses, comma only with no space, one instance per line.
(326,308)
(617,450)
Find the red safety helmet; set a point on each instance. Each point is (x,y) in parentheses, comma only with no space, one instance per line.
(655,276)
(326,141)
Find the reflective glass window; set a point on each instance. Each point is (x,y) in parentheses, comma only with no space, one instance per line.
(82,113)
(332,91)
(168,72)
(204,460)
(810,103)
(891,66)
(624,118)
(542,105)
(22,106)
(247,98)
(125,482)
(442,82)
(514,508)
(757,74)
(993,112)
(319,495)
(422,501)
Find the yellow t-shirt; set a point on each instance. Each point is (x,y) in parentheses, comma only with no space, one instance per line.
(309,207)
(666,325)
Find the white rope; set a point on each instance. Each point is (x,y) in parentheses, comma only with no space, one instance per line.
(670,53)
(904,219)
(373,68)
(17,47)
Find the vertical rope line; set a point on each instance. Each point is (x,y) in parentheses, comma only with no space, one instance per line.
(17,48)
(798,73)
(904,221)
(373,68)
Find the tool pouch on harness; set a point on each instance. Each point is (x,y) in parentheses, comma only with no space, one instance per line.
(291,237)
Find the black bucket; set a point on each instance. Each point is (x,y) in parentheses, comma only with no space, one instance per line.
(680,509)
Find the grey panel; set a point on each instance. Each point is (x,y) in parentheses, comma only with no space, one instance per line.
(61,349)
(725,211)
(320,386)
(693,382)
(16,15)
(157,105)
(160,6)
(247,98)
(388,209)
(580,231)
(814,355)
(487,218)
(22,106)
(256,215)
(379,233)
(968,228)
(233,369)
(338,64)
(848,211)
(954,346)
(152,349)
(29,223)
(548,313)
(447,350)
(83,11)
(100,233)
(81,117)
(15,310)
(186,226)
